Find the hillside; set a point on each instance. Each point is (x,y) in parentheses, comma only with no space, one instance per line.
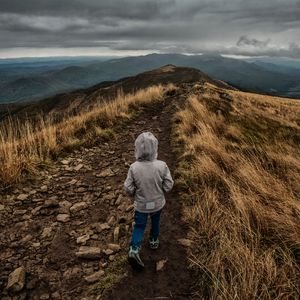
(248,75)
(231,225)
(79,100)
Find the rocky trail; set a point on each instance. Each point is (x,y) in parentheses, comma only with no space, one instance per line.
(60,235)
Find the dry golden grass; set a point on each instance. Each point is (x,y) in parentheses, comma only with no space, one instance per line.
(241,173)
(23,147)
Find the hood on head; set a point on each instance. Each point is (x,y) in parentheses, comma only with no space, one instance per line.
(146,146)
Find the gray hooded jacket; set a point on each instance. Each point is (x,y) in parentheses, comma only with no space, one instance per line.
(148,178)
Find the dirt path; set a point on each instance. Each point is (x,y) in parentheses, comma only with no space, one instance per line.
(81,203)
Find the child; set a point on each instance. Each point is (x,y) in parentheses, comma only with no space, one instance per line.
(147,180)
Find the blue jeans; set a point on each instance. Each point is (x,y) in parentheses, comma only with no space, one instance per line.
(140,222)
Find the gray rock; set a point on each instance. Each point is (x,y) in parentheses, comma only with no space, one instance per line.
(83,239)
(64,207)
(72,182)
(99,227)
(78,167)
(36,210)
(94,277)
(108,252)
(108,197)
(106,173)
(160,265)
(47,232)
(89,252)
(63,218)
(129,208)
(52,202)
(116,234)
(36,245)
(119,200)
(26,238)
(111,221)
(44,188)
(81,190)
(114,247)
(78,207)
(16,280)
(19,212)
(22,197)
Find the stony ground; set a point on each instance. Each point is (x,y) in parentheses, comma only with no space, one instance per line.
(66,235)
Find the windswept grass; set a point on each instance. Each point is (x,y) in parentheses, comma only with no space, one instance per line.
(24,146)
(241,174)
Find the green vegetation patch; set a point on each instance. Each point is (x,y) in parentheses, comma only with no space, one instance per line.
(113,274)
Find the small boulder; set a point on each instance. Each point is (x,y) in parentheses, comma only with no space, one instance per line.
(44,188)
(51,203)
(161,264)
(63,218)
(16,280)
(22,197)
(47,232)
(89,252)
(99,227)
(83,239)
(78,207)
(108,252)
(106,173)
(64,207)
(94,277)
(114,247)
(72,182)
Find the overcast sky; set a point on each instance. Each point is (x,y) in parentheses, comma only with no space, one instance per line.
(131,27)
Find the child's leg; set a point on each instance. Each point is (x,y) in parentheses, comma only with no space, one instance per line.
(140,222)
(155,224)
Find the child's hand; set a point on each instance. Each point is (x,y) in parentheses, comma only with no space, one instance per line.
(129,185)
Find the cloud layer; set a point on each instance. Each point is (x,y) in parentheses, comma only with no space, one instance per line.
(269,27)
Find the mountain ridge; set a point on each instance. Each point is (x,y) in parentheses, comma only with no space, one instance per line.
(245,75)
(82,98)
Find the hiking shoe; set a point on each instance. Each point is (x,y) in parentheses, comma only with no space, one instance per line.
(153,244)
(134,259)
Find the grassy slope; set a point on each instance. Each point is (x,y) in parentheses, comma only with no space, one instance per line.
(25,146)
(240,171)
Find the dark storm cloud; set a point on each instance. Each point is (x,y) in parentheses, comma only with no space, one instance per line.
(234,26)
(245,41)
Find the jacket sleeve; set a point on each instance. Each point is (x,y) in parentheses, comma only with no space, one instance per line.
(129,185)
(168,182)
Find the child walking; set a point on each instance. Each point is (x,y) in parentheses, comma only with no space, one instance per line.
(147,181)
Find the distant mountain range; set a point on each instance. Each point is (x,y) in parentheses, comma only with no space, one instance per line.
(27,80)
